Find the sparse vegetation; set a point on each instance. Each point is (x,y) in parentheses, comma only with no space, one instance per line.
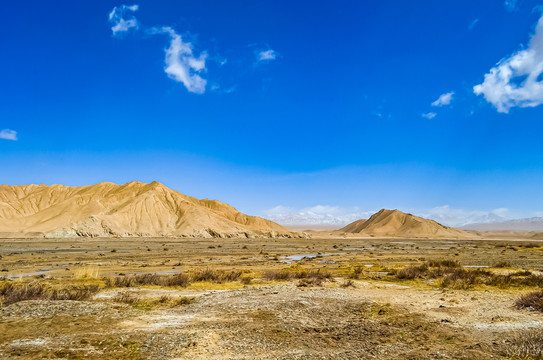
(459,278)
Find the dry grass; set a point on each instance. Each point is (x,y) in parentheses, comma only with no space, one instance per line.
(126,297)
(12,292)
(89,272)
(307,278)
(131,298)
(181,280)
(532,301)
(148,279)
(525,345)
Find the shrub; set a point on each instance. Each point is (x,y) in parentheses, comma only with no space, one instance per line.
(412,272)
(306,282)
(278,276)
(347,283)
(502,264)
(215,276)
(126,297)
(246,280)
(12,293)
(357,271)
(532,301)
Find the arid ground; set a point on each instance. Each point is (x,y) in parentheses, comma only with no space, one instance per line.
(338,298)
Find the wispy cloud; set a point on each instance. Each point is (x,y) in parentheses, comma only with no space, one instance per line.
(516,80)
(429,115)
(510,5)
(444,99)
(8,134)
(472,24)
(266,55)
(123,19)
(180,63)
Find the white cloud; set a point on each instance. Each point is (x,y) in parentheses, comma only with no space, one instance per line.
(444,99)
(122,19)
(511,5)
(180,63)
(429,115)
(460,217)
(337,217)
(266,55)
(518,79)
(8,134)
(319,215)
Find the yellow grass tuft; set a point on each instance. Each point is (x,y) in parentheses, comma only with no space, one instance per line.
(89,272)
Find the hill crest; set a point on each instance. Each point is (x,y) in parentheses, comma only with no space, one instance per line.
(396,223)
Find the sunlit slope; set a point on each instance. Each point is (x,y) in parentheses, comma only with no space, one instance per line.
(132,209)
(398,224)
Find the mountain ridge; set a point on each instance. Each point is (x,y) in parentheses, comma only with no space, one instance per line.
(131,209)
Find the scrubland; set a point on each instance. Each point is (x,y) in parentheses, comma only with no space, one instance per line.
(343,298)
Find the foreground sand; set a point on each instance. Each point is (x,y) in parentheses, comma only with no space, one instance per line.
(379,317)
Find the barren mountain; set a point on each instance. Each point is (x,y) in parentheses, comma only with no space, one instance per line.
(398,224)
(132,209)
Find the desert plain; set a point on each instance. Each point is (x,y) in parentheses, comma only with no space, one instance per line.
(319,297)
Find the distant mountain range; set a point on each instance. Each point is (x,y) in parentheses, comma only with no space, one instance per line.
(526,224)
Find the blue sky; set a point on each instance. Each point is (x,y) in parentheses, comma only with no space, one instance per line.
(319,112)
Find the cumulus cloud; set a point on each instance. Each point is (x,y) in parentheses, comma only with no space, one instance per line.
(266,55)
(429,115)
(122,19)
(180,63)
(444,99)
(319,215)
(8,134)
(516,81)
(510,5)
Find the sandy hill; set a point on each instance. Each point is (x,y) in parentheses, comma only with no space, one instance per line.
(132,209)
(398,224)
